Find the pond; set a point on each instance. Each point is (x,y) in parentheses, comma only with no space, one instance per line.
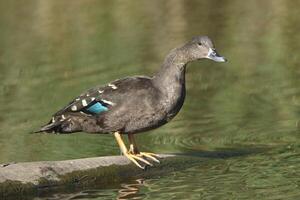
(242,116)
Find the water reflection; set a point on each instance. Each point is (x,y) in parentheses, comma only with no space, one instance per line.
(131,191)
(127,190)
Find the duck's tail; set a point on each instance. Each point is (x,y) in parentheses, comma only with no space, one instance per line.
(58,124)
(51,127)
(70,123)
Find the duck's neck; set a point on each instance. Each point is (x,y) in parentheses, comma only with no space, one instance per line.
(172,73)
(170,80)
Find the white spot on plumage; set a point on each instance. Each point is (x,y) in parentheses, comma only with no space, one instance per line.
(107,102)
(87,95)
(77,99)
(62,118)
(84,103)
(100,91)
(74,108)
(93,98)
(112,86)
(53,120)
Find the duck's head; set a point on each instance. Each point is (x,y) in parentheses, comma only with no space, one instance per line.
(202,47)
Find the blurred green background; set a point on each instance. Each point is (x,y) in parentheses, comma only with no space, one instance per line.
(51,51)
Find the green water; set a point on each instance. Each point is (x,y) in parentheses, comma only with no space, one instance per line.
(242,116)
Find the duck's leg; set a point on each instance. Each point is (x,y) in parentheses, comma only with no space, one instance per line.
(133,149)
(132,144)
(127,153)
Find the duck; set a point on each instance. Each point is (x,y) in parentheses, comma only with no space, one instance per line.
(135,104)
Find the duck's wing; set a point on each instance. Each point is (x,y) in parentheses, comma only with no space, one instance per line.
(90,102)
(97,100)
(101,98)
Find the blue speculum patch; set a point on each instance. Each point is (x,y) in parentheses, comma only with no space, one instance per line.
(97,108)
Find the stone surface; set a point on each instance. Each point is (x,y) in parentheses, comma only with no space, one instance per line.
(32,172)
(30,177)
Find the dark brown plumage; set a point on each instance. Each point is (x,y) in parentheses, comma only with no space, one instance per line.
(134,104)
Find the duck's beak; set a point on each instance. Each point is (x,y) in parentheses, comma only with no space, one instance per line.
(213,55)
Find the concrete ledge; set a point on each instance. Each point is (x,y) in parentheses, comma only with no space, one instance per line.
(31,177)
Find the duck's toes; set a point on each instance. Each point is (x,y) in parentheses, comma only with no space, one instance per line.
(152,156)
(135,158)
(130,157)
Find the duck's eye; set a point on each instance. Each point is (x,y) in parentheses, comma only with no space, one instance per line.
(200,43)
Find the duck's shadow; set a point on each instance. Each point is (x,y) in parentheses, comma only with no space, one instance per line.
(224,153)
